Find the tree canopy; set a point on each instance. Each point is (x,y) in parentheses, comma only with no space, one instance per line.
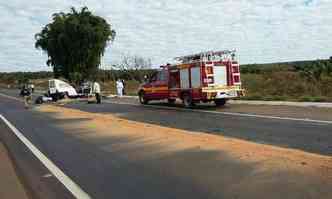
(75,43)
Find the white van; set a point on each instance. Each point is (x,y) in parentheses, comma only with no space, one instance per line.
(59,89)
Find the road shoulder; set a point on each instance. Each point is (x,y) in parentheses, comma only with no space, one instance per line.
(11,187)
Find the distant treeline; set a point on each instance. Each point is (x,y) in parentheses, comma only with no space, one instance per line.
(103,75)
(20,77)
(310,69)
(283,66)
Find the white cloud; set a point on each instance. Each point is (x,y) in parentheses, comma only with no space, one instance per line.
(261,30)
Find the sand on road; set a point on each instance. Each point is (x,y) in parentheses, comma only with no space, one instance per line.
(224,166)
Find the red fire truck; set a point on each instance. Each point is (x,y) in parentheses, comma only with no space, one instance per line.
(203,77)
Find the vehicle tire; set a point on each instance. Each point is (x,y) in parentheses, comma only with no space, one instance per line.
(142,99)
(39,100)
(171,101)
(187,100)
(220,102)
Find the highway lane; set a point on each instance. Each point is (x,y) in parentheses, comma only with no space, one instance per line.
(106,174)
(307,136)
(37,179)
(101,174)
(306,113)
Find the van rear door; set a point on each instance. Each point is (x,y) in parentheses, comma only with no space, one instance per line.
(51,86)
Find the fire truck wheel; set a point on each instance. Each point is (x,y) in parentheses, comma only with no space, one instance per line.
(171,101)
(142,99)
(187,101)
(220,102)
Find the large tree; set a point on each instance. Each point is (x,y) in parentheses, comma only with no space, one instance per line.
(75,43)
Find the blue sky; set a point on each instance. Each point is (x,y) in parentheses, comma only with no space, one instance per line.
(260,30)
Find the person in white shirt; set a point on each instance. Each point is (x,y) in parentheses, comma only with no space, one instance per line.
(96,91)
(119,87)
(32,87)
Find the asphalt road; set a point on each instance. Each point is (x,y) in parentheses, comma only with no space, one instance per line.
(307,136)
(112,176)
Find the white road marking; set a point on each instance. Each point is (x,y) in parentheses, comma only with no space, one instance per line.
(228,113)
(62,177)
(47,175)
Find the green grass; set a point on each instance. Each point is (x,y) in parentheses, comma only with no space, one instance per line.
(286,86)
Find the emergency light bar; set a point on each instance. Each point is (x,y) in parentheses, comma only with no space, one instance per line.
(218,53)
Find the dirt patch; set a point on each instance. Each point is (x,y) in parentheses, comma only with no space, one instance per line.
(274,168)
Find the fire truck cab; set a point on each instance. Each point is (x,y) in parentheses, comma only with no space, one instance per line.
(203,77)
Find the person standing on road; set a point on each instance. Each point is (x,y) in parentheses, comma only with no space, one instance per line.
(96,90)
(32,86)
(124,87)
(119,87)
(26,94)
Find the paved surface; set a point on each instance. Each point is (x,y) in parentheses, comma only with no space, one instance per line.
(35,177)
(306,136)
(107,174)
(11,186)
(269,103)
(310,112)
(284,103)
(301,110)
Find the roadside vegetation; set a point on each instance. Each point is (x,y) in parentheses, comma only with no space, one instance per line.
(292,81)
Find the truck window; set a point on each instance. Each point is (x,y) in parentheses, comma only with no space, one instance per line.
(174,79)
(153,77)
(162,76)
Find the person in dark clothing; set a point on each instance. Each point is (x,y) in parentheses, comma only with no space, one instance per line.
(124,87)
(26,94)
